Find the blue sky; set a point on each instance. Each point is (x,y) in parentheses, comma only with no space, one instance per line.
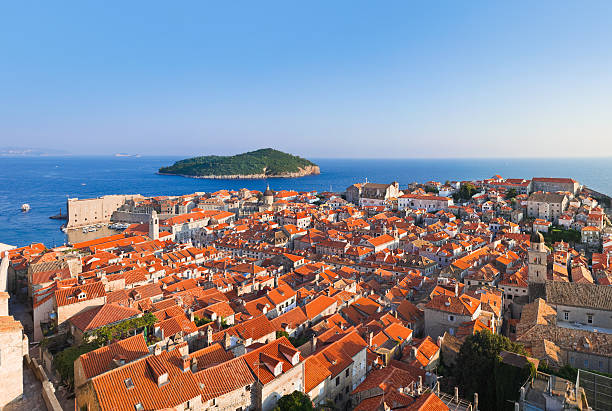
(316,78)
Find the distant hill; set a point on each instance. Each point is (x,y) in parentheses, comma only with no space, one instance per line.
(262,163)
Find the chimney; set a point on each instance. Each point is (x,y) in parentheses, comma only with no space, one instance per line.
(194,364)
(456,396)
(420,386)
(438,388)
(370,336)
(191,316)
(313,343)
(157,350)
(186,363)
(413,352)
(475,401)
(227,341)
(456,289)
(440,340)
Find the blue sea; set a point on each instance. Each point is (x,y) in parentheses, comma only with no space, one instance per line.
(46,182)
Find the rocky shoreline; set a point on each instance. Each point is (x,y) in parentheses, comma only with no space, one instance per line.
(306,171)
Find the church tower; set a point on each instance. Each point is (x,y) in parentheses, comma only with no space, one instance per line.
(537,259)
(154,226)
(268,196)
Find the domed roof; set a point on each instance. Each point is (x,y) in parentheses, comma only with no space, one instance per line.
(536,237)
(268,192)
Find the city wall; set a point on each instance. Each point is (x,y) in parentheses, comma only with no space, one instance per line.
(90,211)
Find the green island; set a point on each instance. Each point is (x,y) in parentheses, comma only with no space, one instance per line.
(263,163)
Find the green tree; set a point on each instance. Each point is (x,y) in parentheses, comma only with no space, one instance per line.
(64,361)
(476,363)
(200,321)
(296,401)
(466,191)
(511,193)
(282,333)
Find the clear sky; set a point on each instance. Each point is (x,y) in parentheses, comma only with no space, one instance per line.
(315,78)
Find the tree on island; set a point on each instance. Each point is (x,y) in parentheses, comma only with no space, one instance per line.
(296,401)
(479,370)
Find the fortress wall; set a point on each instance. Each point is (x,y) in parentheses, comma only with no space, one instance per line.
(94,210)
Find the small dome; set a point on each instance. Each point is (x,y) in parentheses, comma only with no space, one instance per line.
(536,237)
(268,192)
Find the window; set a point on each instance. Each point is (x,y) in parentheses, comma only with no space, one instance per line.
(346,390)
(346,374)
(586,363)
(451,318)
(590,318)
(129,384)
(566,316)
(337,381)
(138,407)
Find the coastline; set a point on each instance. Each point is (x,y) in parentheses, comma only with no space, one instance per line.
(310,171)
(238,177)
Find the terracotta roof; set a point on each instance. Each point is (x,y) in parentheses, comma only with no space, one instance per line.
(428,402)
(318,305)
(65,296)
(101,360)
(271,353)
(210,356)
(102,315)
(291,319)
(223,378)
(114,394)
(315,372)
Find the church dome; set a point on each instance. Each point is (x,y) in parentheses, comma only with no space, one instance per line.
(268,192)
(536,237)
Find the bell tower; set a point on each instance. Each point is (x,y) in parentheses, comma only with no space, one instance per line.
(154,226)
(537,259)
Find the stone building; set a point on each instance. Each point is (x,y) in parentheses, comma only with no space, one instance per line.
(91,211)
(555,184)
(546,206)
(13,346)
(583,303)
(372,194)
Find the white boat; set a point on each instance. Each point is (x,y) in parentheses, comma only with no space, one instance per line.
(25,207)
(84,230)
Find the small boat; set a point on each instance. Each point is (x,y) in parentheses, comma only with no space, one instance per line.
(25,207)
(85,231)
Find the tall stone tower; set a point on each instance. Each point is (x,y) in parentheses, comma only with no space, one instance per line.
(537,259)
(154,226)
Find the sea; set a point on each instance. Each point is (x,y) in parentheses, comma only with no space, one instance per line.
(46,182)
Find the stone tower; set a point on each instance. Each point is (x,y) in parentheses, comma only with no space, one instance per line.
(154,226)
(537,259)
(268,196)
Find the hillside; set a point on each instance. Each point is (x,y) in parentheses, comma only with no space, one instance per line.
(261,163)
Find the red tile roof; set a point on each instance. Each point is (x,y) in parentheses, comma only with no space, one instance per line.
(113,393)
(102,315)
(99,361)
